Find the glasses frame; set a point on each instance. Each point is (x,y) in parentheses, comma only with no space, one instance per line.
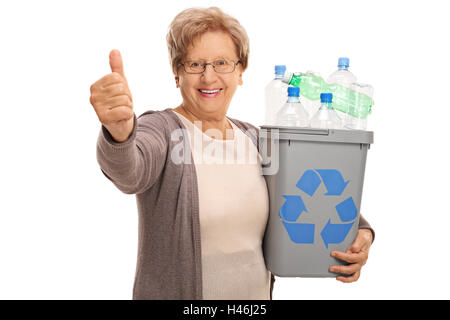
(211,64)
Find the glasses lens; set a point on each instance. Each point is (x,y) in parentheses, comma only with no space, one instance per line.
(194,66)
(223,65)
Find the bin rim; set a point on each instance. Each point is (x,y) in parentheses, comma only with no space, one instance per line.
(320,135)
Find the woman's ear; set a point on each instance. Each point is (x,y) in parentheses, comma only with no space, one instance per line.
(240,78)
(176,81)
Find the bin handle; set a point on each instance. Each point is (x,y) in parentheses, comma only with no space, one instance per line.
(311,131)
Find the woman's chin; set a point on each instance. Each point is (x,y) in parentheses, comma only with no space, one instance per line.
(212,107)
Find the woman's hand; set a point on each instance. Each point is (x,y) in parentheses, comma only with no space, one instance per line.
(357,255)
(112,101)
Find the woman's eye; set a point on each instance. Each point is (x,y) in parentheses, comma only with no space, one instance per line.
(221,62)
(195,64)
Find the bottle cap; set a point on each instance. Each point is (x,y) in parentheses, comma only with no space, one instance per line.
(343,62)
(293,91)
(326,97)
(287,77)
(280,69)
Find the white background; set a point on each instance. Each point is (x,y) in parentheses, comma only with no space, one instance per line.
(67,233)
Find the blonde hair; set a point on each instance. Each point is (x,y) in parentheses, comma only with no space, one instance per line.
(194,22)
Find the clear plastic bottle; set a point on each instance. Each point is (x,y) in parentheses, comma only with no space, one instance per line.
(357,117)
(275,95)
(293,114)
(342,75)
(345,78)
(326,117)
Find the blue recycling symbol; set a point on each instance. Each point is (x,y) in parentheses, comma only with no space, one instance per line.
(293,207)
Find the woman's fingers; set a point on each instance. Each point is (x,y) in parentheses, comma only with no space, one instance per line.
(349,269)
(349,257)
(349,279)
(353,270)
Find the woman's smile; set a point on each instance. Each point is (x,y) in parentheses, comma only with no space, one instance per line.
(209,93)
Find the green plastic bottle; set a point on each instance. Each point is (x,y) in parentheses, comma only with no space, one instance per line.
(345,100)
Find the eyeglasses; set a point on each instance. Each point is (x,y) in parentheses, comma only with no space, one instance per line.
(219,66)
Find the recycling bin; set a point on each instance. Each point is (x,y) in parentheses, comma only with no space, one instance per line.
(315,181)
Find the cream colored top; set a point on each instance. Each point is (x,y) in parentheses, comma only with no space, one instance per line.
(233,208)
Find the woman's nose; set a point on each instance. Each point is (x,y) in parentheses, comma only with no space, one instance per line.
(209,73)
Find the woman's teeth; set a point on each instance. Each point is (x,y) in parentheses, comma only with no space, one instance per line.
(209,91)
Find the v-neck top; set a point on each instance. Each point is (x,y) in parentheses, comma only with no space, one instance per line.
(233,209)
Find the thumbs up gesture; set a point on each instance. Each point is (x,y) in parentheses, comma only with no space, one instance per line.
(112,101)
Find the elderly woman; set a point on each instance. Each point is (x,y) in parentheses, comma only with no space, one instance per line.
(203,207)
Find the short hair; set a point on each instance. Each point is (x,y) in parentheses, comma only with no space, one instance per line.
(194,22)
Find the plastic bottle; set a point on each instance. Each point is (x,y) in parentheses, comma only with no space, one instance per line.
(311,85)
(326,117)
(275,95)
(344,99)
(293,114)
(311,106)
(357,117)
(345,78)
(342,75)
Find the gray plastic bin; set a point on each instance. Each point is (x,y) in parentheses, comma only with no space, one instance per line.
(315,181)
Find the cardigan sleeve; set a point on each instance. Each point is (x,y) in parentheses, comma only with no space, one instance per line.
(134,165)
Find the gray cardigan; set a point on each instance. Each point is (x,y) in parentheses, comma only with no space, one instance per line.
(169,249)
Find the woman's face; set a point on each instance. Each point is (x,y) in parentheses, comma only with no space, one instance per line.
(194,88)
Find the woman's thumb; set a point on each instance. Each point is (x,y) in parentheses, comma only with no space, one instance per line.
(116,63)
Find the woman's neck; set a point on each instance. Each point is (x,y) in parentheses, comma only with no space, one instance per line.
(221,123)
